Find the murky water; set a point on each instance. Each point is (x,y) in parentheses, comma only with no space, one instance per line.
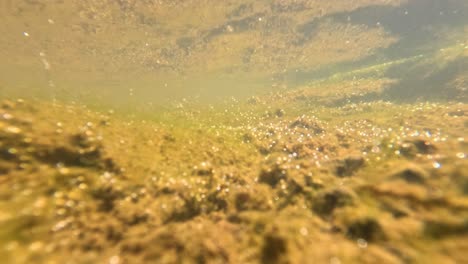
(156,50)
(236,131)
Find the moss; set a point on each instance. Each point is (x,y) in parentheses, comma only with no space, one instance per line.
(327,201)
(274,249)
(441,229)
(148,188)
(366,228)
(348,166)
(411,174)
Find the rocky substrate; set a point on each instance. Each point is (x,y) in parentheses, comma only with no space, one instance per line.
(361,183)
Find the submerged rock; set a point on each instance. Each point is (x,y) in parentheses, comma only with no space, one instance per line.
(411,174)
(272,176)
(106,197)
(274,249)
(348,166)
(244,200)
(411,148)
(441,229)
(457,113)
(328,201)
(204,169)
(252,100)
(6,104)
(305,123)
(366,228)
(279,113)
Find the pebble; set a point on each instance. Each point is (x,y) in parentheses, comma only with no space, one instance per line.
(60,225)
(114,260)
(13,130)
(40,203)
(335,260)
(36,246)
(12,246)
(7,116)
(64,171)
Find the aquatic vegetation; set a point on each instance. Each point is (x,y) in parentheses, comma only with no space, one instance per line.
(137,191)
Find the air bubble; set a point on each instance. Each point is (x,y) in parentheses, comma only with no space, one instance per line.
(362,243)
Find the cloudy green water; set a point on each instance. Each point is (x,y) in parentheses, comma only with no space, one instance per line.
(154,51)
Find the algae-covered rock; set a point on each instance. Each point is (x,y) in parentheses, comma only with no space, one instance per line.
(204,169)
(411,148)
(274,249)
(328,200)
(256,199)
(366,228)
(440,229)
(272,176)
(348,166)
(106,197)
(411,174)
(306,123)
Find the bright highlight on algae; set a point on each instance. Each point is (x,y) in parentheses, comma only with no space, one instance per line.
(233,131)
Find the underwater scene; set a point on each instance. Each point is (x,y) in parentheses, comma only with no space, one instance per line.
(234,131)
